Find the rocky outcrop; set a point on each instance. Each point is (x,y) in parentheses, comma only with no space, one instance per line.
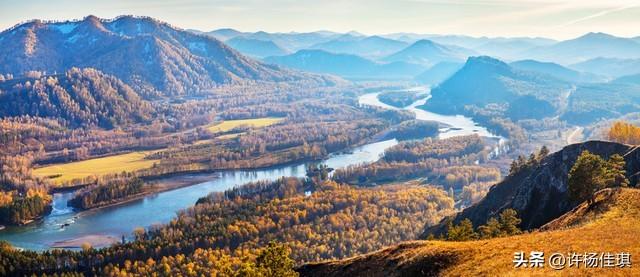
(539,194)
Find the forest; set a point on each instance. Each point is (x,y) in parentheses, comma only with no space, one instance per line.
(400,99)
(315,123)
(450,163)
(317,219)
(100,194)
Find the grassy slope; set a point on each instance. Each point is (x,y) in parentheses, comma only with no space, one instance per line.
(609,225)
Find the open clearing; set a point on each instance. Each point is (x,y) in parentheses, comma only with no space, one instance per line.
(100,166)
(130,162)
(254,123)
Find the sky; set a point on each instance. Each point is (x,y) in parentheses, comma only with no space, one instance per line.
(509,18)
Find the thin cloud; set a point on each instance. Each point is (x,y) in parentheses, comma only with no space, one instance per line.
(599,14)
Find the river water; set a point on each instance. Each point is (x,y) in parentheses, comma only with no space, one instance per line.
(162,207)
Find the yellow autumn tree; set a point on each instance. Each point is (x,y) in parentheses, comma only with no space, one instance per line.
(624,132)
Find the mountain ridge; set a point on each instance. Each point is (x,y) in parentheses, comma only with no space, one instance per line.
(539,194)
(609,225)
(152,56)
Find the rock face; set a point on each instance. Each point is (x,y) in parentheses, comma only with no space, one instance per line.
(539,194)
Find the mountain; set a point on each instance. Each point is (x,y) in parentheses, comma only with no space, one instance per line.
(80,97)
(629,79)
(345,65)
(223,34)
(589,46)
(374,46)
(510,48)
(486,43)
(289,41)
(255,47)
(484,80)
(555,70)
(438,73)
(611,222)
(428,52)
(593,102)
(611,67)
(151,56)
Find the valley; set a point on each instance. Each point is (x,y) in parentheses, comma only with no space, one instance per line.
(191,186)
(131,146)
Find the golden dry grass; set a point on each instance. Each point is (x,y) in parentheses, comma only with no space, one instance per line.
(614,230)
(254,123)
(96,167)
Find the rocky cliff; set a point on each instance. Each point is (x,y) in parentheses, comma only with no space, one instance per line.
(539,193)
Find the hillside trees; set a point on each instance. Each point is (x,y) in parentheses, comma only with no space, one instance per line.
(591,173)
(462,231)
(624,132)
(81,97)
(506,225)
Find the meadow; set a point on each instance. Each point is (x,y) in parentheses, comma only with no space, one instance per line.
(129,162)
(228,125)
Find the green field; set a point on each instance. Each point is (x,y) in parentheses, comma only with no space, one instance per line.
(254,122)
(100,166)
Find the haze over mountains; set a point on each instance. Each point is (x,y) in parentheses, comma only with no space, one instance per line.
(593,57)
(533,90)
(157,59)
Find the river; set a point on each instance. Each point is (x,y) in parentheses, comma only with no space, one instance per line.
(160,208)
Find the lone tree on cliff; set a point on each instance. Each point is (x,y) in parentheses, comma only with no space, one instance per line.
(592,173)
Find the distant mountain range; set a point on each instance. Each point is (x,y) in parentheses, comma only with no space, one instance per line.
(589,46)
(345,65)
(431,49)
(290,41)
(255,47)
(557,71)
(151,56)
(373,46)
(611,67)
(430,53)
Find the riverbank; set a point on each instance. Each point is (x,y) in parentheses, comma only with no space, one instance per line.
(161,207)
(158,186)
(96,241)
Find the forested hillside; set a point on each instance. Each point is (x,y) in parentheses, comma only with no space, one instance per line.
(78,97)
(153,57)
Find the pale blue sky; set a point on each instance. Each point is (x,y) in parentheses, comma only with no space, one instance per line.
(548,18)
